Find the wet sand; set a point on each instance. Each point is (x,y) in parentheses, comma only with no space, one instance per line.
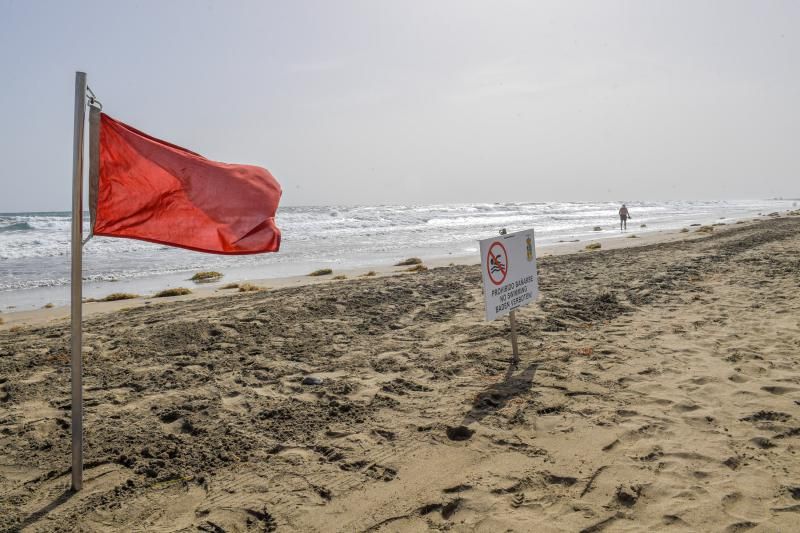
(658,388)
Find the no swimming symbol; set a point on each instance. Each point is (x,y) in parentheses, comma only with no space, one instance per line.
(497,263)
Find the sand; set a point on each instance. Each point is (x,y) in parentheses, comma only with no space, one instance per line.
(658,389)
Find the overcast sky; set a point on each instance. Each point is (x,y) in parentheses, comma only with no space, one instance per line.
(419,101)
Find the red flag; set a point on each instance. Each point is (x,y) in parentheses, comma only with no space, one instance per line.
(148,189)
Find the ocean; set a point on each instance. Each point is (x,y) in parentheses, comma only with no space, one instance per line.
(35,247)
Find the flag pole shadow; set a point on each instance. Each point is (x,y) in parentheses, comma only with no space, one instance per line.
(44,511)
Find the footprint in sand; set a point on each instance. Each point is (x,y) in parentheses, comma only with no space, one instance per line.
(457,488)
(770,416)
(730,501)
(447,510)
(660,401)
(776,389)
(381,473)
(703,380)
(746,510)
(459,433)
(518,500)
(762,442)
(685,407)
(740,526)
(671,519)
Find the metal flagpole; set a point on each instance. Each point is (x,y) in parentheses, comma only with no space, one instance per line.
(76,295)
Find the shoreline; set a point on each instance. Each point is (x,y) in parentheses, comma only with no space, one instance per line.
(315,240)
(12,318)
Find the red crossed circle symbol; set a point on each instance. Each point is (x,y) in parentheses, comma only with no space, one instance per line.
(497,263)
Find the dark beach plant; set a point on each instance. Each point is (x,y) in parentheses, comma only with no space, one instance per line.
(177,291)
(205,277)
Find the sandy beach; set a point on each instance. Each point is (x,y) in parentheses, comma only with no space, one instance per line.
(658,389)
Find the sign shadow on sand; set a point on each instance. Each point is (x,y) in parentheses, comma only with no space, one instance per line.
(499,394)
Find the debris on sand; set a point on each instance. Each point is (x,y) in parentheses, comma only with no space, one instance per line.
(459,433)
(408,262)
(177,291)
(113,297)
(206,277)
(312,380)
(628,496)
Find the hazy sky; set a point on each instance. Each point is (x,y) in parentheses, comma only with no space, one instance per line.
(419,101)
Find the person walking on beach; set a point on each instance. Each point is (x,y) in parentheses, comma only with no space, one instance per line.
(623,217)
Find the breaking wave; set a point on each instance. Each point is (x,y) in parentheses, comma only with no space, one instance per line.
(17,226)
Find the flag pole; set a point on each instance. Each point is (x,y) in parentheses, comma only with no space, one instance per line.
(76,285)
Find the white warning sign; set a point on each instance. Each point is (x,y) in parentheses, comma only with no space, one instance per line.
(508,264)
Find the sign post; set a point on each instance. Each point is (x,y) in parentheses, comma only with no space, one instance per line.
(512,318)
(510,280)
